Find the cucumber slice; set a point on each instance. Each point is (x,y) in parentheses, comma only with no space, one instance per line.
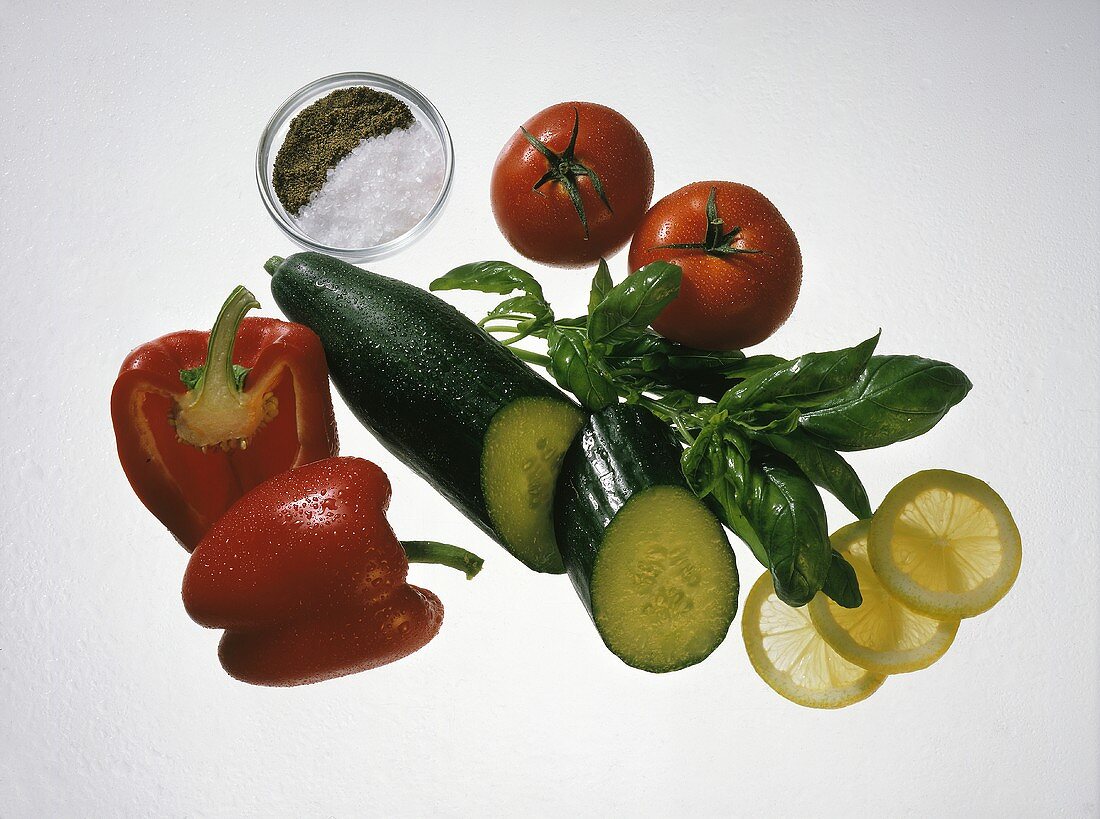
(524,448)
(664,589)
(648,558)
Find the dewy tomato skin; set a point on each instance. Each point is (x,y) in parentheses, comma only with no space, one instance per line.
(727,300)
(543,225)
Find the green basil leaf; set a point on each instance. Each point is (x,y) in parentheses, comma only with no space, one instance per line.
(490,277)
(576,370)
(723,503)
(773,507)
(738,441)
(825,468)
(778,423)
(688,359)
(710,385)
(679,402)
(703,372)
(526,304)
(717,472)
(503,278)
(646,352)
(802,382)
(579,322)
(631,305)
(656,353)
(673,366)
(703,463)
(601,285)
(897,398)
(753,364)
(785,509)
(728,371)
(841,584)
(694,464)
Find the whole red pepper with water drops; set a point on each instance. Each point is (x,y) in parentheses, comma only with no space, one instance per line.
(308,579)
(200,418)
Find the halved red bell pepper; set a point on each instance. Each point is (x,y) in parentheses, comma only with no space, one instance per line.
(201,418)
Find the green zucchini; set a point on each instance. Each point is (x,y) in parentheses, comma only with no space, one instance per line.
(648,559)
(441,395)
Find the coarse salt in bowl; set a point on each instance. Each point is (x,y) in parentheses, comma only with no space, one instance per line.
(378,199)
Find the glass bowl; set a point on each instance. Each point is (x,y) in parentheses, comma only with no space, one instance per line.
(275,132)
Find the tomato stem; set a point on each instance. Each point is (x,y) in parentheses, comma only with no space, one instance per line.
(565,168)
(718,242)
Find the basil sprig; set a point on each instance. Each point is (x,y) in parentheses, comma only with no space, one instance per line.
(896,398)
(761,433)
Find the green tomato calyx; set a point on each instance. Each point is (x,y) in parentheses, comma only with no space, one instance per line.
(565,169)
(718,241)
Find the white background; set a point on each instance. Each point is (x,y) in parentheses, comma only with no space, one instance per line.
(940,169)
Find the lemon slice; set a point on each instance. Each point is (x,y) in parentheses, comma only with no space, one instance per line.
(945,544)
(786,650)
(882,635)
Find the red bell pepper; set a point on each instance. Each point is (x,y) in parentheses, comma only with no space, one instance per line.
(201,418)
(308,579)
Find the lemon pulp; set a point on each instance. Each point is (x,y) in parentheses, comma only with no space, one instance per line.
(882,635)
(945,544)
(790,655)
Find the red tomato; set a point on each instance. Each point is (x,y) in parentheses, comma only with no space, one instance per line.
(742,268)
(572,184)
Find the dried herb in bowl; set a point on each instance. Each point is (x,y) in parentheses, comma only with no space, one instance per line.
(325,132)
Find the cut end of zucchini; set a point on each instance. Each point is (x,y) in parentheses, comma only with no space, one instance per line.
(523,452)
(664,587)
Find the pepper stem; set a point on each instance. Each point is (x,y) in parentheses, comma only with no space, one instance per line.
(444,554)
(215,411)
(218,373)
